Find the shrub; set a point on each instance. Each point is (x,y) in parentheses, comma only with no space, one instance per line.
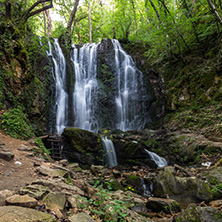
(15,123)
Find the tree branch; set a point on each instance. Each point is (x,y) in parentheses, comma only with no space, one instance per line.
(214,10)
(29,14)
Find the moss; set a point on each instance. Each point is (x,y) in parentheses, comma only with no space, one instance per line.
(204,192)
(115,185)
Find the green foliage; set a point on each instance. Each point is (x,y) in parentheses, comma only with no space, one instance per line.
(109,210)
(217,190)
(15,123)
(41,145)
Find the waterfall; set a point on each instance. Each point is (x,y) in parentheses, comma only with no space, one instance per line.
(85,87)
(61,94)
(110,153)
(160,161)
(130,81)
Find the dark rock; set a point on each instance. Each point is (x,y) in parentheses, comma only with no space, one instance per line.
(82,146)
(134,183)
(131,153)
(166,205)
(6,155)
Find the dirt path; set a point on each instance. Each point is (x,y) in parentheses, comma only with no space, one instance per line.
(18,172)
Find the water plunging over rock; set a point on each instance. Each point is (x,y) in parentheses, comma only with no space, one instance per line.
(109,152)
(104,89)
(130,87)
(61,94)
(160,161)
(85,88)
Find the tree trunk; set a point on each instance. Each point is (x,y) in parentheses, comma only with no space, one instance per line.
(190,16)
(49,23)
(214,11)
(90,23)
(134,12)
(72,17)
(167,10)
(8,10)
(165,35)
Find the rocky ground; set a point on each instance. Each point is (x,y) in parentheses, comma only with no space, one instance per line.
(35,189)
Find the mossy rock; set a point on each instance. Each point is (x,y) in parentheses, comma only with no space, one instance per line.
(182,189)
(133,183)
(199,214)
(166,205)
(82,146)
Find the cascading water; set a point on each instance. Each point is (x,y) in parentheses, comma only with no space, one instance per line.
(85,88)
(61,94)
(160,161)
(109,152)
(129,80)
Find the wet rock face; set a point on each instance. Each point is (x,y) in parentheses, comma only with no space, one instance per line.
(85,148)
(131,153)
(107,84)
(151,94)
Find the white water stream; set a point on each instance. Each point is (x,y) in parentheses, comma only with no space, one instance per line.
(110,153)
(61,94)
(160,161)
(127,101)
(85,88)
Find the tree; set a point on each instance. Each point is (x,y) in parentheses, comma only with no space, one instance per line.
(90,23)
(214,11)
(72,17)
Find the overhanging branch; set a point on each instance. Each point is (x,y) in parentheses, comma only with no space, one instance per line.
(29,12)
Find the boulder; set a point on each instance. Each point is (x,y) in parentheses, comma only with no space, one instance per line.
(75,201)
(134,183)
(22,201)
(166,205)
(22,214)
(23,147)
(216,203)
(182,189)
(50,172)
(81,217)
(132,153)
(36,191)
(55,200)
(199,214)
(82,146)
(74,167)
(59,186)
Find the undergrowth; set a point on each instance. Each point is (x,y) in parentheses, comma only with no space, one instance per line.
(16,124)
